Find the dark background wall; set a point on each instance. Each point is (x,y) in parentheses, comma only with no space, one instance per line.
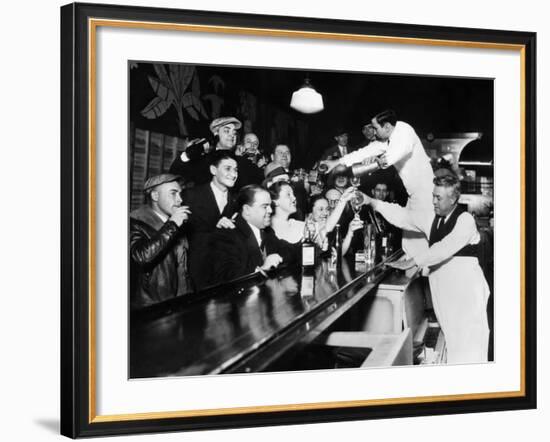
(260,97)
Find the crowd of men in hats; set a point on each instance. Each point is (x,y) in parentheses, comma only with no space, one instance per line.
(186,239)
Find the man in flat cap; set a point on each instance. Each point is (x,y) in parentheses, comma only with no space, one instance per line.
(224,130)
(158,247)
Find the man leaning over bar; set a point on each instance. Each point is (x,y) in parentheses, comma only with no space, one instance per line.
(158,247)
(399,146)
(251,246)
(458,286)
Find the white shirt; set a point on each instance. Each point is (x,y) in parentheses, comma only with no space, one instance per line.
(343,150)
(464,232)
(373,149)
(292,233)
(162,216)
(405,152)
(220,196)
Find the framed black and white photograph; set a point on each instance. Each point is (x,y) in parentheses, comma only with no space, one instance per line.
(311,220)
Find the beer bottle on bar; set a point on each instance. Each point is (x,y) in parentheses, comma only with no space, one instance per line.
(338,244)
(307,284)
(370,245)
(389,243)
(335,250)
(308,246)
(384,246)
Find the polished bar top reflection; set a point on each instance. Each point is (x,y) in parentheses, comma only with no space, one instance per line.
(238,326)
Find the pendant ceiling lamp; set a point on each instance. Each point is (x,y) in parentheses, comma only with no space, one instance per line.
(306,99)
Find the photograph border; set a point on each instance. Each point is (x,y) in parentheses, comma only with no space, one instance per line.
(79,23)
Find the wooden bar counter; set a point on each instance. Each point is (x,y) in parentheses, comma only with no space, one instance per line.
(251,324)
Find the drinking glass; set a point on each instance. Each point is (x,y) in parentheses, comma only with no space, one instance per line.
(356,203)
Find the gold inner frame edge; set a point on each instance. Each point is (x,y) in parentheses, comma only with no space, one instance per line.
(93,24)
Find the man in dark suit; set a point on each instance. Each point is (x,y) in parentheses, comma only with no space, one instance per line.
(212,206)
(194,165)
(251,246)
(341,147)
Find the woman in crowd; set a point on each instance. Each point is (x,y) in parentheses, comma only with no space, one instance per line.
(339,179)
(325,220)
(289,231)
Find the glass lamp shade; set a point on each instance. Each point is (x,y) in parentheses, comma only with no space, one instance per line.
(307,100)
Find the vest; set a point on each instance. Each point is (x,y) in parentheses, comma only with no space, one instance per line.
(437,235)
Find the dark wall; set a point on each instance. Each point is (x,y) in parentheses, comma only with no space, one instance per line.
(429,104)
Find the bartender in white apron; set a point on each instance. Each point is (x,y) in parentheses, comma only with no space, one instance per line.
(459,289)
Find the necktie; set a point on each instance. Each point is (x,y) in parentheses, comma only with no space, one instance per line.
(222,202)
(262,242)
(440,223)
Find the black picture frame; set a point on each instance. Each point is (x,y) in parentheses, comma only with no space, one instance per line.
(77,249)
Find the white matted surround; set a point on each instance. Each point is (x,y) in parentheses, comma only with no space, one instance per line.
(116,395)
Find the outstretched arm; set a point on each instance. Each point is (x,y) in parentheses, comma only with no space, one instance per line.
(366,154)
(398,216)
(334,217)
(402,217)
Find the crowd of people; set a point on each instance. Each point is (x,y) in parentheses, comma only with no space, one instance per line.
(226,210)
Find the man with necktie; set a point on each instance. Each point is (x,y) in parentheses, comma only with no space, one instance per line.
(251,246)
(341,147)
(458,286)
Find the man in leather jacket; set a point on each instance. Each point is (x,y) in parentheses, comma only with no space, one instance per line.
(158,248)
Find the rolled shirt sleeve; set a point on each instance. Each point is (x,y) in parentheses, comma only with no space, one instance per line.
(372,150)
(403,218)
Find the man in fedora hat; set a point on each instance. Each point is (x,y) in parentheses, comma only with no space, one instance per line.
(158,247)
(274,172)
(340,149)
(197,170)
